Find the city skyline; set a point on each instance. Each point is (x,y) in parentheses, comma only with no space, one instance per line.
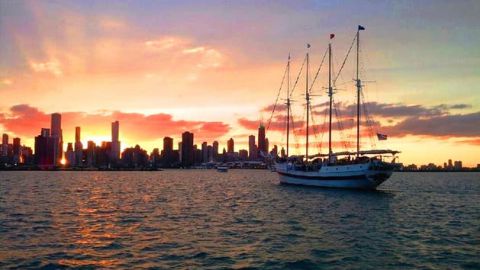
(163,75)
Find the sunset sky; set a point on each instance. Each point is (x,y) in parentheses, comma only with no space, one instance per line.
(215,67)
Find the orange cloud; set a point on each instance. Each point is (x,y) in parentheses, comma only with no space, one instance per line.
(25,120)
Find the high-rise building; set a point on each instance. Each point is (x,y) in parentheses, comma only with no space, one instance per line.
(230,146)
(243,154)
(45,150)
(209,153)
(4,145)
(262,147)
(205,152)
(91,155)
(115,152)
(168,156)
(274,151)
(252,148)
(56,134)
(457,165)
(70,155)
(16,150)
(78,160)
(266,145)
(215,150)
(167,145)
(188,153)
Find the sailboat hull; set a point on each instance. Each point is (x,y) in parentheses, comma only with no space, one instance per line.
(351,177)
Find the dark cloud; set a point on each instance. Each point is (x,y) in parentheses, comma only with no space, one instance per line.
(458,125)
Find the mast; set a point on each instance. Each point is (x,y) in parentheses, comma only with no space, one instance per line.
(359,89)
(307,97)
(330,94)
(288,103)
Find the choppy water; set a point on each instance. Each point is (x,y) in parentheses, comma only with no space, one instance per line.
(240,219)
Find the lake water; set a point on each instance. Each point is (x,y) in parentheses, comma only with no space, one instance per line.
(192,219)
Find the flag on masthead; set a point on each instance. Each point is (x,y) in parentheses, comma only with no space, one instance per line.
(361,28)
(332,36)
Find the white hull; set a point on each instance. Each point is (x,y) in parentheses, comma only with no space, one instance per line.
(353,176)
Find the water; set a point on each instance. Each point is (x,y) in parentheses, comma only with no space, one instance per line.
(240,219)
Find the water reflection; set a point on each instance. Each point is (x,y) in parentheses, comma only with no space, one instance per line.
(203,219)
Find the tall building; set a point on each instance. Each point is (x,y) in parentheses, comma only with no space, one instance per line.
(230,146)
(167,145)
(16,150)
(243,154)
(188,153)
(209,153)
(70,155)
(56,134)
(204,152)
(266,145)
(215,150)
(262,146)
(4,145)
(78,149)
(168,156)
(115,152)
(45,150)
(457,165)
(91,155)
(252,148)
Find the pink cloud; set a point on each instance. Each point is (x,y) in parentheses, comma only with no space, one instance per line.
(25,120)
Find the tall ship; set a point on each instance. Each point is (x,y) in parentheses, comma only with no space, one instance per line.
(360,169)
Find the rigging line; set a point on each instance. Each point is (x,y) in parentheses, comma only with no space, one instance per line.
(278,96)
(318,71)
(345,60)
(314,128)
(369,121)
(324,126)
(295,137)
(298,76)
(340,126)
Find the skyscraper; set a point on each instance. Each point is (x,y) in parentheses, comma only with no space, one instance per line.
(77,160)
(115,152)
(252,148)
(188,154)
(168,157)
(4,145)
(262,147)
(56,134)
(230,146)
(215,150)
(70,155)
(45,150)
(204,152)
(16,150)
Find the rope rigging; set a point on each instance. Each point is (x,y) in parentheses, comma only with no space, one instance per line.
(318,70)
(345,59)
(278,96)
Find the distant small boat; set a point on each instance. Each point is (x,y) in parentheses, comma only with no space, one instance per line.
(222,169)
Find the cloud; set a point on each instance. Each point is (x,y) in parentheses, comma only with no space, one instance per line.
(7,81)
(402,120)
(52,67)
(457,125)
(25,120)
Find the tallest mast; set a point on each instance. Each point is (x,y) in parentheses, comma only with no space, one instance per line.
(307,97)
(330,94)
(359,89)
(288,103)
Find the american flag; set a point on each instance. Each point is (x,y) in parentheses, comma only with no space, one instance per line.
(381,137)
